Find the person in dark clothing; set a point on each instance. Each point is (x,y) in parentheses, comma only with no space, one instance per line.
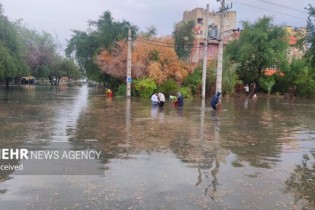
(215,100)
(180,99)
(253,90)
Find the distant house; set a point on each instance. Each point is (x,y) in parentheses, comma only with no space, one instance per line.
(198,15)
(295,51)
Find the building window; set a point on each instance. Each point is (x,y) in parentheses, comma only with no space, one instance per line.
(199,20)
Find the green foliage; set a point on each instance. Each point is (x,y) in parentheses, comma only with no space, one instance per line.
(291,75)
(305,82)
(184,39)
(102,34)
(299,74)
(6,62)
(310,37)
(67,68)
(169,87)
(267,82)
(260,45)
(145,87)
(121,90)
(194,81)
(230,77)
(41,55)
(306,89)
(186,92)
(11,62)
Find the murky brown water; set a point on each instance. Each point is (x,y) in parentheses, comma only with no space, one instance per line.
(256,154)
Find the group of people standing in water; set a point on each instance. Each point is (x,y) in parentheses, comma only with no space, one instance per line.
(158,99)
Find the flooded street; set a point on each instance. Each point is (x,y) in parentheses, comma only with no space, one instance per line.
(256,154)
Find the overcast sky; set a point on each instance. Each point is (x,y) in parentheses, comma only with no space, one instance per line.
(59,17)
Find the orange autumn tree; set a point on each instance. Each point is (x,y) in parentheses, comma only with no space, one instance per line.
(154,58)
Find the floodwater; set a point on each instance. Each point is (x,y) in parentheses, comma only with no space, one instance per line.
(254,154)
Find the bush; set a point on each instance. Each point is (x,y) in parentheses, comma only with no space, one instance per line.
(121,90)
(186,92)
(306,89)
(267,83)
(169,87)
(145,87)
(194,81)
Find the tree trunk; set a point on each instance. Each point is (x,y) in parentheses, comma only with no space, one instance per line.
(52,81)
(7,83)
(58,80)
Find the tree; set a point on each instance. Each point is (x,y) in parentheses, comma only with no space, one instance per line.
(150,32)
(230,78)
(102,34)
(40,54)
(260,45)
(184,39)
(70,69)
(40,51)
(267,82)
(11,62)
(153,58)
(310,37)
(82,47)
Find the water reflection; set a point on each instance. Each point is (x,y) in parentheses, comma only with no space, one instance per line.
(154,112)
(209,165)
(301,183)
(189,158)
(246,103)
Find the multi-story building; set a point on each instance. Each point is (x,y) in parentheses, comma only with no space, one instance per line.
(295,51)
(198,15)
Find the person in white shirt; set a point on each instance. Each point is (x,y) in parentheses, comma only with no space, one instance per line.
(154,100)
(161,99)
(246,90)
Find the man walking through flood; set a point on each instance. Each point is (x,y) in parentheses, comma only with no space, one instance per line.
(215,100)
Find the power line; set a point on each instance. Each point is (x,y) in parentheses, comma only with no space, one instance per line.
(150,40)
(268,10)
(282,6)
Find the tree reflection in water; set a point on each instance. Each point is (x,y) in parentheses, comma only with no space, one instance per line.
(301,182)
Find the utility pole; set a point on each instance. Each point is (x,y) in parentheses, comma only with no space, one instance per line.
(220,53)
(205,57)
(129,80)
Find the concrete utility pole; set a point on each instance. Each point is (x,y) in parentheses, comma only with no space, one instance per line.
(205,56)
(220,53)
(129,80)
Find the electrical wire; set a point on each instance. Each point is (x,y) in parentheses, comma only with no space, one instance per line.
(160,45)
(164,42)
(269,10)
(282,6)
(154,44)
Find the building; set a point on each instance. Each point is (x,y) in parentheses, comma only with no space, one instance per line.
(198,15)
(294,34)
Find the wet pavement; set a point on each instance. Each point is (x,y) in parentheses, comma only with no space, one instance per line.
(254,154)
